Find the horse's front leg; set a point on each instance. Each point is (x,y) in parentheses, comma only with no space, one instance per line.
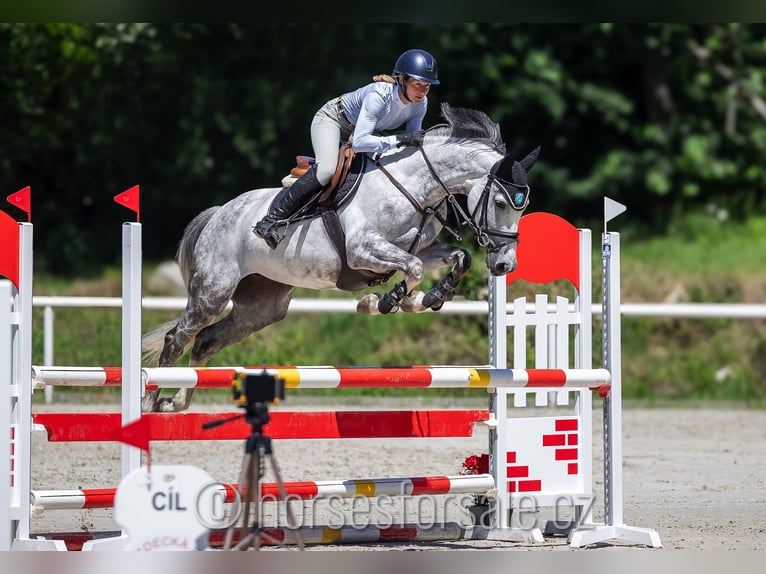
(436,256)
(380,256)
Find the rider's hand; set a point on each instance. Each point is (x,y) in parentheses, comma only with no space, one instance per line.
(409,138)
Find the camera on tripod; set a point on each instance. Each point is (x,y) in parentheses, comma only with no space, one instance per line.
(248,389)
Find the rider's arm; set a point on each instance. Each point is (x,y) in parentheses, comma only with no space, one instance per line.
(415,123)
(373,108)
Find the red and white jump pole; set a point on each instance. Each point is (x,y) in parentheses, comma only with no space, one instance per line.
(43,500)
(329,377)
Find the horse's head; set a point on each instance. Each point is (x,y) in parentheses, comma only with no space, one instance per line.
(496,204)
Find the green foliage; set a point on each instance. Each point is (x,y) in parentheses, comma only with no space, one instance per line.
(666,118)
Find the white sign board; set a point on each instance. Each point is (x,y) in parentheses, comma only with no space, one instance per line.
(164,507)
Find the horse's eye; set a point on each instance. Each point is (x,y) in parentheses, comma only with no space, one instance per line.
(500,203)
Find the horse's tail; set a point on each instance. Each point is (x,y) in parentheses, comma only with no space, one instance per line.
(153,342)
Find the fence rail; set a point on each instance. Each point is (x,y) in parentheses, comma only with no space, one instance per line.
(339,305)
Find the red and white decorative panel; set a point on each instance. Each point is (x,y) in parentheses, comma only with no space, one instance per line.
(544,459)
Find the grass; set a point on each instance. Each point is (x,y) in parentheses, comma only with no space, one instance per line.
(702,260)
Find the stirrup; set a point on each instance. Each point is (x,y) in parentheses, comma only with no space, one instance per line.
(270,235)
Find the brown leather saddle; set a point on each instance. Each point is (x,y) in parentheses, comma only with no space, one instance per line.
(345,158)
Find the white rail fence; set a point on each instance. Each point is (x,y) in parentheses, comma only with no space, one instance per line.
(339,305)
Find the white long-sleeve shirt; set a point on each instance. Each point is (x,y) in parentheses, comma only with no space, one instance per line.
(377,107)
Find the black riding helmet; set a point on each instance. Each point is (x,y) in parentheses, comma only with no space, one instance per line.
(417,64)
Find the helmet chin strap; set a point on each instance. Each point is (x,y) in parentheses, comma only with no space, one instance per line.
(403,88)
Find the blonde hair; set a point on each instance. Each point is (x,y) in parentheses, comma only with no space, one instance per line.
(383,78)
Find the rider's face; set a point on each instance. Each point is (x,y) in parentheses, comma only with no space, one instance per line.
(417,90)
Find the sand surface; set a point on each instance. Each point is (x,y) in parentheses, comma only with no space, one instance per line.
(697,475)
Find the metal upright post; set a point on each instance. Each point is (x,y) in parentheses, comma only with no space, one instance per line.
(21,409)
(498,343)
(613,527)
(131,338)
(7,522)
(613,363)
(132,384)
(23,372)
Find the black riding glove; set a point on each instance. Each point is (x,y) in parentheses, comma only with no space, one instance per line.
(409,138)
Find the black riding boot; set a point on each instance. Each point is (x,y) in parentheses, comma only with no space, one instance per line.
(286,203)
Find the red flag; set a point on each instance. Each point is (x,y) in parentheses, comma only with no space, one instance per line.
(130,199)
(21,200)
(135,434)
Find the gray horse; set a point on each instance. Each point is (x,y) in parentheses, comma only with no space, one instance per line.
(390,225)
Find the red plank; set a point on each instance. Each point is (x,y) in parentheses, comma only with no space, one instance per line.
(92,427)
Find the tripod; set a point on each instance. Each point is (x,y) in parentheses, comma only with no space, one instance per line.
(258,451)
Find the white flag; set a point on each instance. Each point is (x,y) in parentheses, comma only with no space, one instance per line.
(612,209)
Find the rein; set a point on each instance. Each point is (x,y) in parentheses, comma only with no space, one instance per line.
(484,235)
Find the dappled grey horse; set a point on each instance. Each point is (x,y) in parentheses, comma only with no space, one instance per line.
(390,224)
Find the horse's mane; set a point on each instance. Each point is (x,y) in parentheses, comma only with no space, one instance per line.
(467,124)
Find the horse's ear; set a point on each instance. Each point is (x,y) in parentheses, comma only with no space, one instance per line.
(530,160)
(519,174)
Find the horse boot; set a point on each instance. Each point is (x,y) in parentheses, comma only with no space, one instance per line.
(285,204)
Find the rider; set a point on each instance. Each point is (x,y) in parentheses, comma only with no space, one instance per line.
(384,104)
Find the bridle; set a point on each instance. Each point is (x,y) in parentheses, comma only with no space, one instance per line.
(477,219)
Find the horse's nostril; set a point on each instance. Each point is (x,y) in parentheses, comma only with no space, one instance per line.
(503,268)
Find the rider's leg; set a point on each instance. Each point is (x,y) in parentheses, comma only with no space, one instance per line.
(325,138)
(287,202)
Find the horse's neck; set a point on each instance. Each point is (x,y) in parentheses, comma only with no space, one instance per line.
(449,168)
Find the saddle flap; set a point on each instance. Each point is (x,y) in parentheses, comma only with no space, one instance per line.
(345,157)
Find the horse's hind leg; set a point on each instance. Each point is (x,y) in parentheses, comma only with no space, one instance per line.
(207,300)
(257,303)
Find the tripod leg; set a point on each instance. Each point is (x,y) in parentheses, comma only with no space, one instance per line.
(244,493)
(283,493)
(253,495)
(257,536)
(254,536)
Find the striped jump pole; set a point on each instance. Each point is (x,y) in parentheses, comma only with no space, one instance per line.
(329,377)
(317,535)
(357,535)
(43,500)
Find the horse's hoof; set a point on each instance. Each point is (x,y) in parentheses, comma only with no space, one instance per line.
(414,303)
(165,405)
(368,304)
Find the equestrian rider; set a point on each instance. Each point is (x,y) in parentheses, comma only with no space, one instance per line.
(384,104)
